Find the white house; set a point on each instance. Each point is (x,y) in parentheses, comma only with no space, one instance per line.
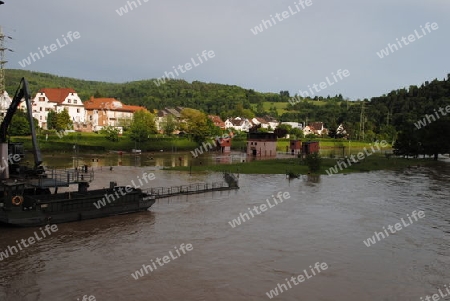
(101,112)
(307,130)
(294,125)
(341,130)
(161,116)
(57,99)
(260,121)
(315,128)
(238,123)
(5,102)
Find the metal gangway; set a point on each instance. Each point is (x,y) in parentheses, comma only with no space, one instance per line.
(230,183)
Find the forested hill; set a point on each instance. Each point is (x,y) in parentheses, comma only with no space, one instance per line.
(209,97)
(409,105)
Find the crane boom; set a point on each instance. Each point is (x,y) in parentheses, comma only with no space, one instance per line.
(22,93)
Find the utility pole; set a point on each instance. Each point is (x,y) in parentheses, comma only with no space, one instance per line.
(362,119)
(2,60)
(388,116)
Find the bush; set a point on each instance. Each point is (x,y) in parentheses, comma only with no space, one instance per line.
(313,161)
(111,133)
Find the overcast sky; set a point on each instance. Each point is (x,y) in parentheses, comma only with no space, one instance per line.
(303,49)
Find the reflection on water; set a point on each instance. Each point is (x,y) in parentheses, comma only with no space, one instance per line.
(159,159)
(156,159)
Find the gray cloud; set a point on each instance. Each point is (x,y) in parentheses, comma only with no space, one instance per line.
(298,51)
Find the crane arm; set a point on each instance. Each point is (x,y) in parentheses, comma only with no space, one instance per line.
(22,92)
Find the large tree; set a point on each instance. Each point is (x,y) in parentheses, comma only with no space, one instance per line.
(142,126)
(19,125)
(63,121)
(196,124)
(169,124)
(51,120)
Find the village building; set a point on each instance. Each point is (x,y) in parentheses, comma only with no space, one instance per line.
(265,122)
(295,146)
(162,115)
(262,144)
(5,102)
(341,131)
(101,112)
(318,128)
(239,124)
(310,147)
(308,130)
(259,121)
(224,144)
(315,128)
(57,99)
(294,125)
(217,121)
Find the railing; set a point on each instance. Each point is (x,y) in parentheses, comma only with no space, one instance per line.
(63,177)
(188,189)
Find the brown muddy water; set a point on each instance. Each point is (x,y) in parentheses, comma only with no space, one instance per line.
(325,220)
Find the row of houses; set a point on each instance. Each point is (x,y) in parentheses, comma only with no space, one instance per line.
(88,116)
(96,113)
(267,122)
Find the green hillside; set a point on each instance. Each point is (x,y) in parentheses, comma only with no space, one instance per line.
(209,97)
(217,99)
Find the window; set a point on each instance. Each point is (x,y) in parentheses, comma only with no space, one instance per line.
(75,101)
(78,110)
(41,98)
(40,109)
(69,101)
(256,143)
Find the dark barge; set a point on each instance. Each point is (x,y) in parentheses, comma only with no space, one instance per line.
(26,204)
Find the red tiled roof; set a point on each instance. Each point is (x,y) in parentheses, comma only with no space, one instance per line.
(217,120)
(57,95)
(110,104)
(99,103)
(316,125)
(129,108)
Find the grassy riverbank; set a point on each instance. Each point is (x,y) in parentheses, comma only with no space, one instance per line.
(93,142)
(98,143)
(295,165)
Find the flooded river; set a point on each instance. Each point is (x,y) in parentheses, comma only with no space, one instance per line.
(324,220)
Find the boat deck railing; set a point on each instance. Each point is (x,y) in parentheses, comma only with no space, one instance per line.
(62,177)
